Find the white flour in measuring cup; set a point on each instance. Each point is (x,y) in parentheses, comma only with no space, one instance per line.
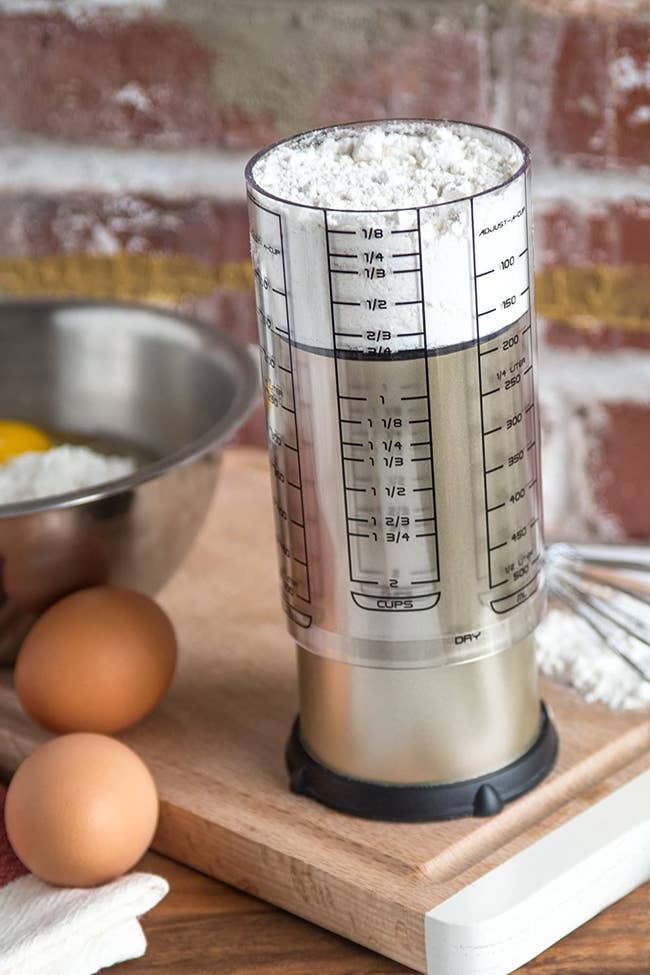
(403,164)
(396,166)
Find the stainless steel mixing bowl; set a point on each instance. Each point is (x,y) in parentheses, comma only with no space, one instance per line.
(131,378)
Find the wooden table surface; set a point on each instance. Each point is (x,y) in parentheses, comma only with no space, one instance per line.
(204,927)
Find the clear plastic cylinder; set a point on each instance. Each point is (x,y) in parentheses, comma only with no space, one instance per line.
(398,359)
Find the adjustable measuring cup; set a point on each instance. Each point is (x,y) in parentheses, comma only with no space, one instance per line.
(398,360)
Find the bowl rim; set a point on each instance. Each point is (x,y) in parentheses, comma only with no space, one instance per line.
(214,336)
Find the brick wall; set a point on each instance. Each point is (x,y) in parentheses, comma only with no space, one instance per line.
(125,128)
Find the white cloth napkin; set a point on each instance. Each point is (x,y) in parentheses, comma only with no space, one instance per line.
(48,930)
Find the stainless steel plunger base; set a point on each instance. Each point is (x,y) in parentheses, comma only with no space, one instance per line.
(420,744)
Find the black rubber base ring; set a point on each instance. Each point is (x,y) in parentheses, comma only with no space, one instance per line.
(483,796)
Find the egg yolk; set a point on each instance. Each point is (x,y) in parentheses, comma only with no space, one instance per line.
(20,438)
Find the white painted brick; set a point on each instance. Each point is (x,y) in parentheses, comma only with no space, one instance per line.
(574,385)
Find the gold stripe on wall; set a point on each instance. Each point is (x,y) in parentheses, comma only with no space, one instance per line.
(121,276)
(618,297)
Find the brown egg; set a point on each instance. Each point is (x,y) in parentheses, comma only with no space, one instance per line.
(98,660)
(81,810)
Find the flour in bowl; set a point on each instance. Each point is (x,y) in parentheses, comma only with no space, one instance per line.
(41,474)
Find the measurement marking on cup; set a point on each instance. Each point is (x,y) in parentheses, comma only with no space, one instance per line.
(379,450)
(482,394)
(333,305)
(533,583)
(531,354)
(509,471)
(278,369)
(428,389)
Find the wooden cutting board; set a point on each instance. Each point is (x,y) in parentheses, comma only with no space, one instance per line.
(216,745)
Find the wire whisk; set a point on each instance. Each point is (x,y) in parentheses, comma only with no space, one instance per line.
(608,586)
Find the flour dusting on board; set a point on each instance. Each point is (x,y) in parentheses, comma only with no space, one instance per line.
(570,652)
(397,164)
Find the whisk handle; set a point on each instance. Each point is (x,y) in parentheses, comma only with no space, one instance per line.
(520,908)
(608,555)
